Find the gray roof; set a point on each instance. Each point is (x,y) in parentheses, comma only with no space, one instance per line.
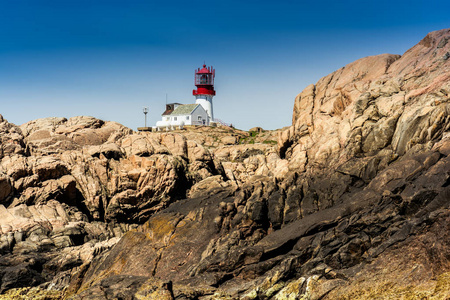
(185,109)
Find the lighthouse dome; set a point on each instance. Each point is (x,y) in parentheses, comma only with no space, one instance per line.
(204,70)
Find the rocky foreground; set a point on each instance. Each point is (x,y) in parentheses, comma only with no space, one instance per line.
(350,202)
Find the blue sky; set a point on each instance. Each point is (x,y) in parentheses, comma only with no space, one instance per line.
(108,59)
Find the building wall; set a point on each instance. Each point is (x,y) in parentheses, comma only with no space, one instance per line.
(195,118)
(206,102)
(187,119)
(178,120)
(168,121)
(199,112)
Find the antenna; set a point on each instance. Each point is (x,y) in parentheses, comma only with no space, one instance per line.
(145,114)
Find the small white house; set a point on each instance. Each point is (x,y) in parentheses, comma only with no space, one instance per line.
(177,115)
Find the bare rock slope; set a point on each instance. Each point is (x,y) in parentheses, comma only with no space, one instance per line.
(351,202)
(69,189)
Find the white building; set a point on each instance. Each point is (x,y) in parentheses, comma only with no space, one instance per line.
(178,115)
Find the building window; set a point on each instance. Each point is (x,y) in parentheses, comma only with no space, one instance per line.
(174,118)
(187,117)
(199,118)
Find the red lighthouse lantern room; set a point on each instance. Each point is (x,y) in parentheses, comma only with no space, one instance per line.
(204,81)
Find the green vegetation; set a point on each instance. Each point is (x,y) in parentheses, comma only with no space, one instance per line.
(389,290)
(270,142)
(35,293)
(253,133)
(246,140)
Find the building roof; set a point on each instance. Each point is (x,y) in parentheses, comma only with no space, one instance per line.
(185,109)
(167,112)
(170,108)
(204,70)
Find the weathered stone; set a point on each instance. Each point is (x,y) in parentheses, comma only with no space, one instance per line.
(5,188)
(11,139)
(359,179)
(128,287)
(229,140)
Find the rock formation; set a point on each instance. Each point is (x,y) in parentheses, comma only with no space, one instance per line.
(349,202)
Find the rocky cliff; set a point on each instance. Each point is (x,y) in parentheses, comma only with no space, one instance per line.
(350,202)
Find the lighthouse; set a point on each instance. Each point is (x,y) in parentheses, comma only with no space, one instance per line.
(204,81)
(178,115)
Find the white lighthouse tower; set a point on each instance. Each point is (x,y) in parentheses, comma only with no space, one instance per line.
(204,81)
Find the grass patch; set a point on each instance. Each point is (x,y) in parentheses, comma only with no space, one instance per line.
(390,290)
(253,133)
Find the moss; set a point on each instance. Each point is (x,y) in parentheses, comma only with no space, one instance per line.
(270,142)
(390,290)
(159,227)
(442,287)
(33,293)
(246,140)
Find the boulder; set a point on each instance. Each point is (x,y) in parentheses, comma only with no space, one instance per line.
(11,139)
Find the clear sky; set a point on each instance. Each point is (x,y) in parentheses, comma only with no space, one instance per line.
(109,59)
